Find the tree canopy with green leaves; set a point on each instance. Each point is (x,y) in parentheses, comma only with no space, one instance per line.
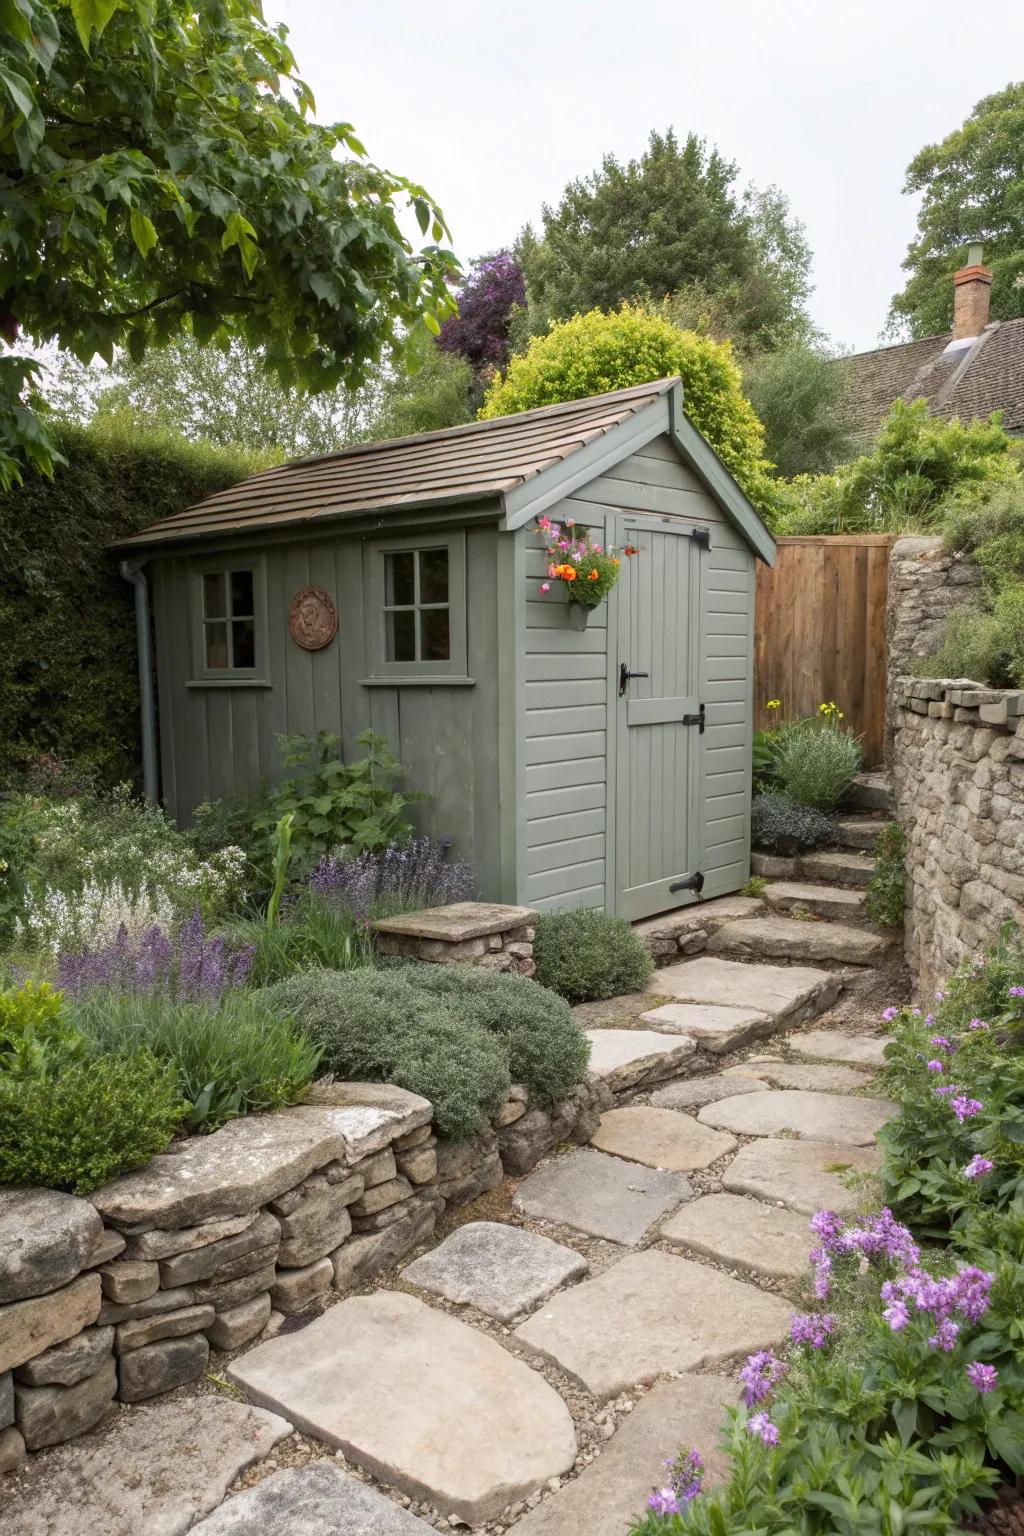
(799,393)
(593,353)
(972,186)
(161,173)
(660,224)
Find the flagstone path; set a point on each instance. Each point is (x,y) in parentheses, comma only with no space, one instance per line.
(533,1370)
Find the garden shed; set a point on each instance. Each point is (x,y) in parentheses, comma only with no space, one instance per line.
(579,758)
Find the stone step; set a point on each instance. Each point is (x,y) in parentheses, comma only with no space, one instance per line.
(840,901)
(605,1196)
(805,1176)
(838,867)
(850,1120)
(869,792)
(859,832)
(833,1045)
(787,993)
(685,931)
(794,938)
(625,1058)
(660,1138)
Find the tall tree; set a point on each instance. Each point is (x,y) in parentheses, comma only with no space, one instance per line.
(160,170)
(662,223)
(488,301)
(973,192)
(799,393)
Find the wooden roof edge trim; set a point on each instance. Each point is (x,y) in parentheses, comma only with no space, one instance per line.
(720,484)
(159,536)
(609,447)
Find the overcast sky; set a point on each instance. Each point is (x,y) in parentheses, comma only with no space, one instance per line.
(495,108)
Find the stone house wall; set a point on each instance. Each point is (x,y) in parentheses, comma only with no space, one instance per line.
(957,776)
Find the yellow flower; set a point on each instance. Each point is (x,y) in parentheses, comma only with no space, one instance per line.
(774,704)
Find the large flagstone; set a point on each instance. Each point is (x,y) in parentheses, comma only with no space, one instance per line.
(502,1270)
(833,1045)
(650,1314)
(811,1116)
(318,1500)
(601,1195)
(428,1404)
(807,1176)
(715,1028)
(785,991)
(661,1138)
(756,1236)
(626,1057)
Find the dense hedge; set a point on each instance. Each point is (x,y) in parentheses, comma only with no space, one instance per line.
(67,631)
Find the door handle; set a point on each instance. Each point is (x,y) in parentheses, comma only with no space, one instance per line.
(625,674)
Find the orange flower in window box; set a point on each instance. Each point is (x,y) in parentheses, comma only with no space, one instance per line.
(587,569)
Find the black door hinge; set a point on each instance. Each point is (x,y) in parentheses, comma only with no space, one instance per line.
(691,883)
(702,538)
(698,720)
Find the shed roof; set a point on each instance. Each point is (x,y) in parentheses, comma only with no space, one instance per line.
(501,460)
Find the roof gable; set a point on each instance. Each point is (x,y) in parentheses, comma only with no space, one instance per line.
(521,463)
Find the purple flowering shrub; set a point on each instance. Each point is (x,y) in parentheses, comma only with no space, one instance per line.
(956,1067)
(185,965)
(403,877)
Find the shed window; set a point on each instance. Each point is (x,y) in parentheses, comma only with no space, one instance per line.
(229,621)
(417,608)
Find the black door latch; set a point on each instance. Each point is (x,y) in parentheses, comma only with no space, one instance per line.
(697,719)
(691,883)
(625,674)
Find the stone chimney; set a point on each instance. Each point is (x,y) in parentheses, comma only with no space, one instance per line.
(971,293)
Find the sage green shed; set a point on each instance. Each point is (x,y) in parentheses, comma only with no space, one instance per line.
(599,765)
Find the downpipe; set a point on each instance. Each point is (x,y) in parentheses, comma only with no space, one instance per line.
(134,571)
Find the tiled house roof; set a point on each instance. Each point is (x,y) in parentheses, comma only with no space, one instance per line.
(985,376)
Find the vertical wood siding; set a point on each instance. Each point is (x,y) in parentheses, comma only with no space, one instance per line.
(726,661)
(222,741)
(821,631)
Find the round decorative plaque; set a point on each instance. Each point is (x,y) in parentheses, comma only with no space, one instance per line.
(313,618)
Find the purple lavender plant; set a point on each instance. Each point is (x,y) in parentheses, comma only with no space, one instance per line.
(188,965)
(402,877)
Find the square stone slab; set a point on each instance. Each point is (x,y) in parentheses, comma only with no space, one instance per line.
(812,1116)
(155,1473)
(823,900)
(458,922)
(608,1495)
(625,1057)
(661,1138)
(819,1078)
(833,1045)
(318,1500)
(650,1314)
(780,990)
(601,1195)
(716,1029)
(792,938)
(804,1175)
(426,1403)
(694,1092)
(758,1237)
(499,1269)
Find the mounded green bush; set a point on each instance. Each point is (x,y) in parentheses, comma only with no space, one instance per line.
(778,823)
(815,762)
(375,1025)
(94,1119)
(585,955)
(547,1049)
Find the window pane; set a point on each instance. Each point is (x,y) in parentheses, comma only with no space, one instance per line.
(243,643)
(433,575)
(435,642)
(399,579)
(216,637)
(400,630)
(213,596)
(241,594)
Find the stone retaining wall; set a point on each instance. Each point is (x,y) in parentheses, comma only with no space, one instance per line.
(958,792)
(483,933)
(123,1295)
(926,583)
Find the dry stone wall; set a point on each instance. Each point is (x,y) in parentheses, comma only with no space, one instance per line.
(926,583)
(957,773)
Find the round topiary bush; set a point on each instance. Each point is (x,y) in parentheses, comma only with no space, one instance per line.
(374,1025)
(585,955)
(547,1050)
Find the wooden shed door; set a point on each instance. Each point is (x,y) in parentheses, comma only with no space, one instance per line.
(654,650)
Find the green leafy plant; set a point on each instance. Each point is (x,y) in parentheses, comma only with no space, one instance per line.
(374,1025)
(763,776)
(94,1119)
(334,804)
(36,1039)
(755,886)
(229,1058)
(779,824)
(313,934)
(585,955)
(885,899)
(282,858)
(815,760)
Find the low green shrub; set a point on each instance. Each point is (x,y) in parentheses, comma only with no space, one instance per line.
(547,1050)
(375,1025)
(886,896)
(313,934)
(780,825)
(586,955)
(985,644)
(95,1119)
(230,1058)
(815,761)
(36,1039)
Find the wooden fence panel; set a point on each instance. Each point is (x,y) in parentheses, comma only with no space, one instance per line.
(820,631)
